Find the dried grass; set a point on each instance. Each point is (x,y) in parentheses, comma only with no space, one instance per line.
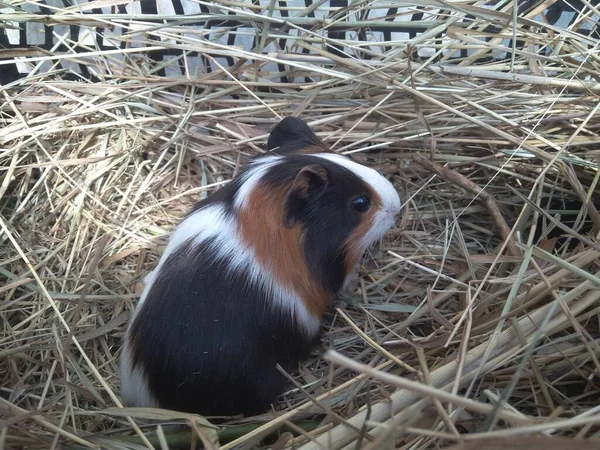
(473,326)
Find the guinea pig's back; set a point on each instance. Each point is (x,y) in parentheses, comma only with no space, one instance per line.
(206,336)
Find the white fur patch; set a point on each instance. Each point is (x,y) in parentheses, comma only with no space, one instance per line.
(200,225)
(252,178)
(134,386)
(385,217)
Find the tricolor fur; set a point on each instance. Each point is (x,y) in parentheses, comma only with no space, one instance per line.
(246,277)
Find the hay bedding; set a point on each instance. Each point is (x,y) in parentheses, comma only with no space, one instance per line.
(477,318)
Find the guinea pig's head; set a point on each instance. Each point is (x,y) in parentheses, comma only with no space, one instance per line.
(342,206)
(358,201)
(310,213)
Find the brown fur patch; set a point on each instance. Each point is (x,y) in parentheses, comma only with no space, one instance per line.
(280,249)
(353,247)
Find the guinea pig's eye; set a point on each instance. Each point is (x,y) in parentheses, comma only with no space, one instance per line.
(361,204)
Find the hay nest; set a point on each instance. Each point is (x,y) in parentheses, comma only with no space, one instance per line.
(476,319)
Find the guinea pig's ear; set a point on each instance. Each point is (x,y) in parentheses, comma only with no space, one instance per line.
(310,179)
(293,135)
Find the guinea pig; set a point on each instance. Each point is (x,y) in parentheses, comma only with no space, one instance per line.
(246,278)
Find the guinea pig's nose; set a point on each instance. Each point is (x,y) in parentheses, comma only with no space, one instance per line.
(395,215)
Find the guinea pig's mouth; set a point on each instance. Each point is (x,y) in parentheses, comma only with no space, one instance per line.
(384,220)
(393,213)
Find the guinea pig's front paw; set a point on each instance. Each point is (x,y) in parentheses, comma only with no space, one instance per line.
(350,282)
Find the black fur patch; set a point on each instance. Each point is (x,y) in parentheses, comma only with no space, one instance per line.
(327,214)
(209,341)
(291,135)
